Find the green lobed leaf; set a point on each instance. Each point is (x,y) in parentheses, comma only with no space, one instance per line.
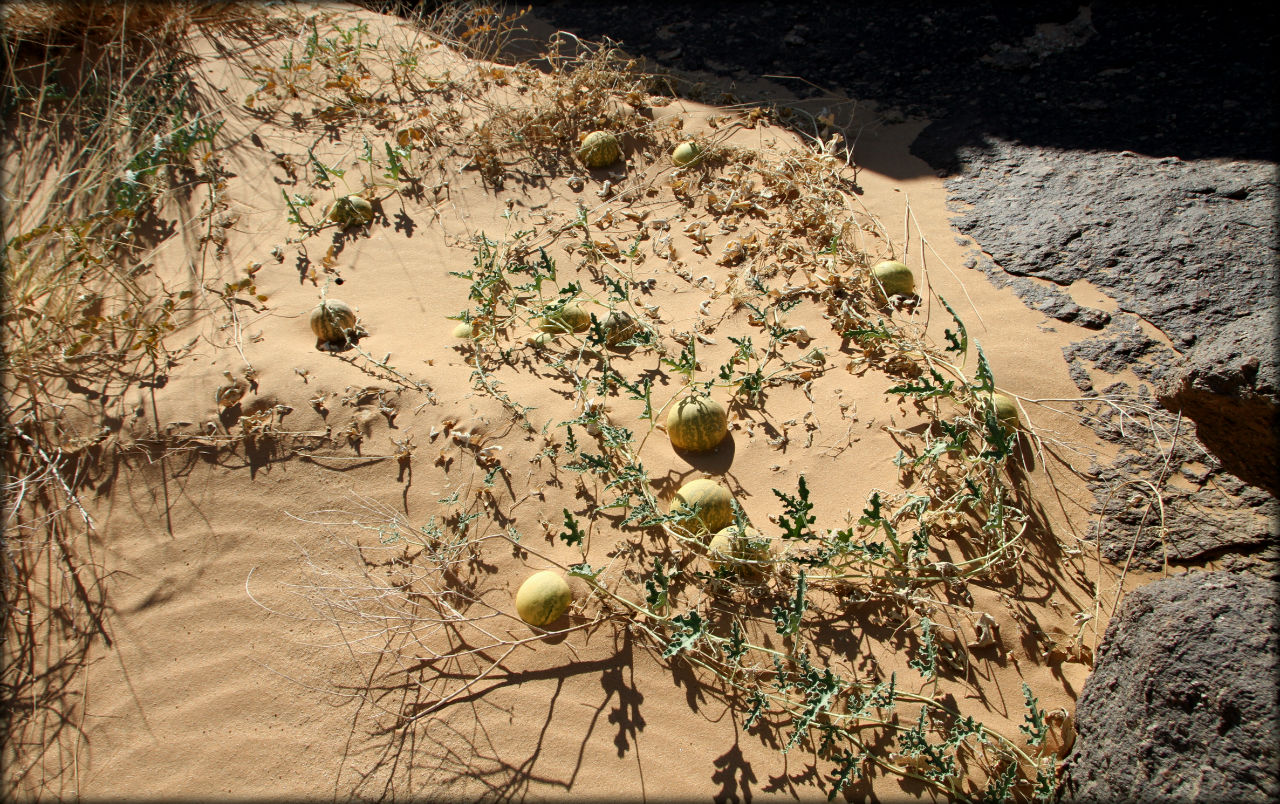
(689,628)
(572,535)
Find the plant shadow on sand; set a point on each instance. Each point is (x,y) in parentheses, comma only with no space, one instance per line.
(477,758)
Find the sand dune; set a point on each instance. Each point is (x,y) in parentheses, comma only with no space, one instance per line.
(311,590)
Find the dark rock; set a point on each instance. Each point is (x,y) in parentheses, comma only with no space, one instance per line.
(1058,305)
(1123,345)
(1155,79)
(1230,387)
(1196,526)
(1158,236)
(1182,704)
(1209,514)
(1080,376)
(1265,563)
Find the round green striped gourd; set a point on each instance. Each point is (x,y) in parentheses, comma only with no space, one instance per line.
(573,317)
(894,277)
(697,424)
(711,502)
(599,149)
(543,598)
(732,547)
(350,210)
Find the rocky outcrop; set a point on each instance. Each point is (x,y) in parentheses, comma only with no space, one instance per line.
(1182,704)
(1230,386)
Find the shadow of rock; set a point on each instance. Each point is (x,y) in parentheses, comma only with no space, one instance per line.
(1230,386)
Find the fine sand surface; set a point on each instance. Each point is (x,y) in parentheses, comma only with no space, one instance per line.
(259,654)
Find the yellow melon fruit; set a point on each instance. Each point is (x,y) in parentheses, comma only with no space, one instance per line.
(618,326)
(599,149)
(351,210)
(733,547)
(543,598)
(1006,408)
(895,278)
(573,317)
(697,424)
(538,340)
(686,153)
(711,503)
(333,321)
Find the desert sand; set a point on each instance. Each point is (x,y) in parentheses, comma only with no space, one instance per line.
(309,556)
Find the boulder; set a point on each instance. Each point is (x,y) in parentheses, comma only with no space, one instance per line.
(1230,387)
(1182,704)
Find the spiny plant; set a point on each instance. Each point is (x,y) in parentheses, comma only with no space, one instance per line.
(764,658)
(694,616)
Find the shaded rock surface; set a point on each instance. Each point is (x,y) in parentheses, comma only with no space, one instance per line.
(1164,80)
(1182,704)
(1122,346)
(1189,246)
(1204,512)
(1230,386)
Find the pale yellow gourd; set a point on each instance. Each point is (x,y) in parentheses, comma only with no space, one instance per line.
(333,321)
(686,153)
(1006,408)
(740,549)
(894,277)
(573,317)
(618,326)
(711,502)
(543,598)
(697,424)
(351,210)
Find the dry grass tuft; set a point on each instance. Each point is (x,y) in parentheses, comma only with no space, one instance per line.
(107,137)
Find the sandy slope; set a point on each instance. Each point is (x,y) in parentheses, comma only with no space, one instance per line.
(252,657)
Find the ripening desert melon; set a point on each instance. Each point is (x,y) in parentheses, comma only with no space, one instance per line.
(711,502)
(618,326)
(697,424)
(464,331)
(334,322)
(573,317)
(599,149)
(1006,408)
(686,153)
(539,340)
(737,548)
(894,277)
(543,598)
(351,210)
